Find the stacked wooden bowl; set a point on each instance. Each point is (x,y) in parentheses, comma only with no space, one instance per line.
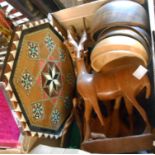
(120,31)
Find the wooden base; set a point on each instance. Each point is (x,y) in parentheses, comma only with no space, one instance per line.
(127,144)
(29,143)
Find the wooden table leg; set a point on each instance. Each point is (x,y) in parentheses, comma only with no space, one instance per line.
(28,143)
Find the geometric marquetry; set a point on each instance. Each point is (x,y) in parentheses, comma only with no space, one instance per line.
(40,79)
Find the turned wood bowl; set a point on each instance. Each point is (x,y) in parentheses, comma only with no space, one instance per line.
(133,32)
(119,13)
(118,51)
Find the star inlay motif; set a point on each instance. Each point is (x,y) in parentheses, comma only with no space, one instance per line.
(52,79)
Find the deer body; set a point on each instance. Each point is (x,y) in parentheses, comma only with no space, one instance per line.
(107,86)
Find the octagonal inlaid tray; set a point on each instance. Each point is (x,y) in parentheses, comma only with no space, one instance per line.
(40,78)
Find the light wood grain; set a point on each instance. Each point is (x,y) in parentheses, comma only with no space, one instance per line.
(115,48)
(74,15)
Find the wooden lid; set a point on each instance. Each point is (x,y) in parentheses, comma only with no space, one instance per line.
(134,32)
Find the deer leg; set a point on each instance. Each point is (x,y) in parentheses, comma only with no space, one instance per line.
(94,102)
(141,111)
(115,124)
(87,115)
(117,103)
(129,108)
(77,117)
(148,88)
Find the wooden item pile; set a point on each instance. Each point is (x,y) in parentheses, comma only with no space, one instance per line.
(110,89)
(111,50)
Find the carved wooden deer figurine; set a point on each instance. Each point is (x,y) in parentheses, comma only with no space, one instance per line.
(109,86)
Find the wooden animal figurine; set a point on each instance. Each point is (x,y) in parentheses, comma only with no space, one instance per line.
(109,86)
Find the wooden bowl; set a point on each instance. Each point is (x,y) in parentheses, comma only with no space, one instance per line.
(120,13)
(111,52)
(133,32)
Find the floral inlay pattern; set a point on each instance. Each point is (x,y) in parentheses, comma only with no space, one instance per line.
(55,117)
(38,110)
(62,55)
(33,50)
(26,81)
(49,43)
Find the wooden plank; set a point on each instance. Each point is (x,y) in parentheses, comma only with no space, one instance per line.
(151,14)
(74,16)
(127,144)
(77,12)
(10,151)
(84,10)
(70,3)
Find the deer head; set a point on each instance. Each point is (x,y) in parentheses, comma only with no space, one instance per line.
(78,47)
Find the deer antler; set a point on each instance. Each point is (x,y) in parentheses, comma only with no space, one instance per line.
(82,40)
(71,40)
(78,47)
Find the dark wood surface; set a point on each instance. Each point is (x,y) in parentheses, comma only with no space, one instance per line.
(119,145)
(70,3)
